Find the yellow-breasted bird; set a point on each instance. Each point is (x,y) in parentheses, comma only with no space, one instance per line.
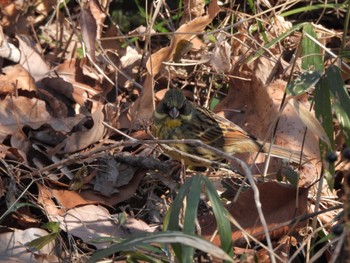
(177,118)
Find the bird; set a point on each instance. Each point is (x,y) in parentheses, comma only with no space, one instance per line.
(177,118)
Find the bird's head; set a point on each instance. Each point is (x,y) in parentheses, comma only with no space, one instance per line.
(174,105)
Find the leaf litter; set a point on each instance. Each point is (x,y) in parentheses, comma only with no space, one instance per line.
(59,156)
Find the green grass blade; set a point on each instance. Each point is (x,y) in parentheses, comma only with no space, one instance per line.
(171,220)
(261,51)
(191,214)
(311,52)
(309,8)
(323,111)
(220,214)
(341,100)
(162,237)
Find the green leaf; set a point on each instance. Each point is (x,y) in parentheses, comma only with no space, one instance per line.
(40,242)
(171,220)
(53,227)
(303,83)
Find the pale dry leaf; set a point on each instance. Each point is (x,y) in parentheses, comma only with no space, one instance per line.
(89,31)
(125,192)
(221,57)
(93,222)
(12,245)
(141,30)
(131,57)
(9,51)
(31,59)
(112,175)
(16,112)
(264,70)
(191,10)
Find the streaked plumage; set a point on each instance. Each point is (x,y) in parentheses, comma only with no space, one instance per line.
(177,118)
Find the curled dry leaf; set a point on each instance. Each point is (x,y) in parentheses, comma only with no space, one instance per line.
(125,192)
(98,14)
(82,139)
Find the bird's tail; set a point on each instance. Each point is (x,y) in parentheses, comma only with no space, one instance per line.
(284,153)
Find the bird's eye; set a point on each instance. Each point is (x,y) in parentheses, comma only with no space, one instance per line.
(163,108)
(185,109)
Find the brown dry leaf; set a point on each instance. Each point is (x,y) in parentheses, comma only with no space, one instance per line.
(72,82)
(16,78)
(17,112)
(45,198)
(13,249)
(278,205)
(64,199)
(82,139)
(196,25)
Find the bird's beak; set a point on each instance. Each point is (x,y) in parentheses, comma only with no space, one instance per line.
(174,113)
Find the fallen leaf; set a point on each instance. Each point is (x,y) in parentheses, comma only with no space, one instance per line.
(92,223)
(279,205)
(31,59)
(88,31)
